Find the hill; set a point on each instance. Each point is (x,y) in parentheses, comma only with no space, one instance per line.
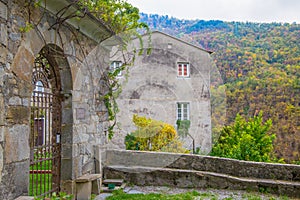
(260,67)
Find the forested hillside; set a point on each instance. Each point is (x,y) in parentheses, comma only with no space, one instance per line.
(260,66)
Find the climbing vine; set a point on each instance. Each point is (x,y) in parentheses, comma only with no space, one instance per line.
(183,127)
(119,17)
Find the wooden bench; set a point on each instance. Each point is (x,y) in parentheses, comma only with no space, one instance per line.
(86,185)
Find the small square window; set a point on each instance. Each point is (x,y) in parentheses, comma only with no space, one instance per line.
(183,111)
(183,69)
(116,65)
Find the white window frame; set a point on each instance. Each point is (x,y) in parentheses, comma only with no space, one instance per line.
(181,65)
(115,65)
(39,88)
(183,111)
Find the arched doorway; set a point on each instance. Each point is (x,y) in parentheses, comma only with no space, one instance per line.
(46,126)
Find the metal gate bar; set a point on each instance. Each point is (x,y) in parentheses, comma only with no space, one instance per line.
(45,130)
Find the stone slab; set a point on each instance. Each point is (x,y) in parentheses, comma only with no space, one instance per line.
(83,190)
(3,34)
(1,162)
(113,181)
(25,198)
(3,10)
(88,178)
(16,138)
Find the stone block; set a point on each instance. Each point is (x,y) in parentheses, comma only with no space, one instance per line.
(15,101)
(77,166)
(2,113)
(67,116)
(1,162)
(21,176)
(18,115)
(2,131)
(22,63)
(35,41)
(15,36)
(66,168)
(3,10)
(69,187)
(66,151)
(25,102)
(76,96)
(88,167)
(67,136)
(100,158)
(3,54)
(25,89)
(83,190)
(3,34)
(16,143)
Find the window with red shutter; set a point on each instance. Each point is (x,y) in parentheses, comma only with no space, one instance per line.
(183,69)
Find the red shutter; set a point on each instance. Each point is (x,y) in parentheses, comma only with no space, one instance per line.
(179,70)
(185,70)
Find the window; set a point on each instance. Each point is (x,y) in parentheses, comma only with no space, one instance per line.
(183,111)
(183,69)
(39,89)
(116,65)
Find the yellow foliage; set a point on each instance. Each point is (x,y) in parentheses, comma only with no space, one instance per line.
(153,135)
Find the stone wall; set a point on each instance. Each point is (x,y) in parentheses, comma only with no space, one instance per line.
(227,166)
(195,171)
(84,120)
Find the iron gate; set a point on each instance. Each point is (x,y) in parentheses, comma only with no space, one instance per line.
(45,149)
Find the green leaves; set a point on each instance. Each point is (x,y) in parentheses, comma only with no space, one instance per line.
(119,15)
(246,140)
(183,127)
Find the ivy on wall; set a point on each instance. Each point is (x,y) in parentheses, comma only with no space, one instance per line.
(119,16)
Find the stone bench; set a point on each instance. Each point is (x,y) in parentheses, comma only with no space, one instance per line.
(86,185)
(25,198)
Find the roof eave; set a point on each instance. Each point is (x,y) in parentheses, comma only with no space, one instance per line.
(88,24)
(195,46)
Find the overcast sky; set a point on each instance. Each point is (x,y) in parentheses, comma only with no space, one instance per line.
(226,10)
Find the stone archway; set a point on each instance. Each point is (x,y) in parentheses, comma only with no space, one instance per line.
(51,122)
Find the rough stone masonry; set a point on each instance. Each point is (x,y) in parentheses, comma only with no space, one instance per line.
(79,66)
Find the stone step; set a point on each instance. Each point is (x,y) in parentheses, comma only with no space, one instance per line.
(106,189)
(117,182)
(143,176)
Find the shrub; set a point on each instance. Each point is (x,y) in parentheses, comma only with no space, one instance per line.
(153,135)
(246,140)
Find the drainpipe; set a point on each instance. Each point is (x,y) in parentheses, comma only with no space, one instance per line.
(193,142)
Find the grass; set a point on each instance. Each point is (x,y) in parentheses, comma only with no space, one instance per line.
(40,183)
(193,195)
(120,195)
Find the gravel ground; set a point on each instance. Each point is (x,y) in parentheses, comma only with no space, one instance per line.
(219,194)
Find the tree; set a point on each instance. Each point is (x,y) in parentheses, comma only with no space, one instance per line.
(246,140)
(119,15)
(153,135)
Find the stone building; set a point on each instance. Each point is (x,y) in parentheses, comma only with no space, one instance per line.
(172,83)
(50,78)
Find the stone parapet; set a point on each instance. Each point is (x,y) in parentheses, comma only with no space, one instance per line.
(231,167)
